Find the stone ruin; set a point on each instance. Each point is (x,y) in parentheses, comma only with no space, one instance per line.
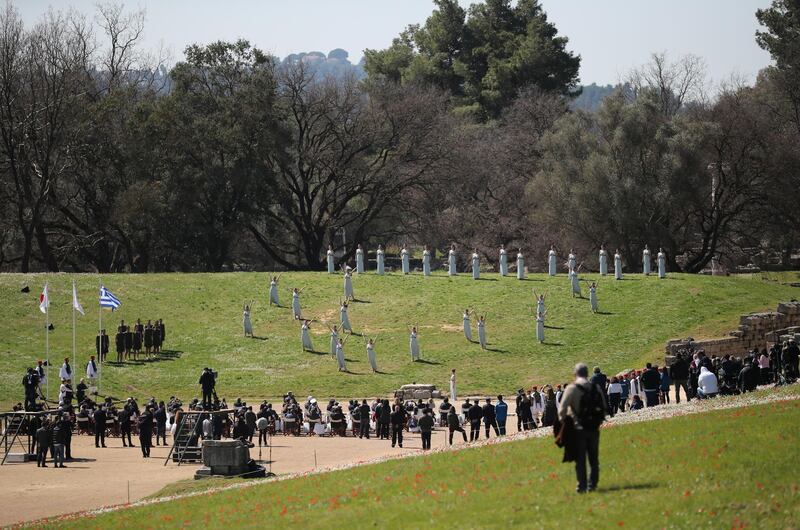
(756,330)
(416,391)
(228,458)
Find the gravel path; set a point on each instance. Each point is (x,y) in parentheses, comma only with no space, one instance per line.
(764,395)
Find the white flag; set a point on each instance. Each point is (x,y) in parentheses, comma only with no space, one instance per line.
(75,304)
(44,300)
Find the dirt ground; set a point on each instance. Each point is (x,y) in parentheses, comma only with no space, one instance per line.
(102,477)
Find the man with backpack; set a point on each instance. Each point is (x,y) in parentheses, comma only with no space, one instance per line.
(584,405)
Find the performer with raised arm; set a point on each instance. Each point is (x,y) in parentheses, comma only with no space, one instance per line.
(593,297)
(646,261)
(348,283)
(482,331)
(503,261)
(467,329)
(453,394)
(334,339)
(451,261)
(539,302)
(273,291)
(360,259)
(413,343)
(540,326)
(340,355)
(617,265)
(520,265)
(426,261)
(662,264)
(305,336)
(296,303)
(575,282)
(373,362)
(405,260)
(379,260)
(248,325)
(476,265)
(331,268)
(344,317)
(603,261)
(551,261)
(572,261)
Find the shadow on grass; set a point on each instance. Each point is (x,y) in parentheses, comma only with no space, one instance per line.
(604,313)
(351,360)
(424,361)
(552,343)
(553,327)
(259,338)
(358,301)
(529,280)
(486,279)
(496,350)
(624,487)
(317,352)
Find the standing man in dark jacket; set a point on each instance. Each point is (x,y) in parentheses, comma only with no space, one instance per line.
(31,382)
(124,419)
(475,413)
(454,424)
(43,443)
(426,429)
(66,426)
(601,380)
(364,412)
(99,418)
(58,439)
(520,395)
(489,420)
(160,416)
(501,415)
(651,381)
(146,432)
(398,421)
(207,384)
(679,373)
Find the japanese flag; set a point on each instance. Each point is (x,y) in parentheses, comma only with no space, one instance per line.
(44,300)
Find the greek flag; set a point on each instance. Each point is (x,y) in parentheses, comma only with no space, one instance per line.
(107,299)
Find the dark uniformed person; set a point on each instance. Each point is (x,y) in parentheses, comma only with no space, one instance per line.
(156,338)
(454,424)
(101,345)
(146,432)
(475,414)
(124,418)
(119,342)
(148,339)
(138,338)
(99,418)
(489,420)
(43,443)
(160,416)
(397,420)
(426,428)
(31,383)
(206,382)
(128,342)
(163,329)
(364,413)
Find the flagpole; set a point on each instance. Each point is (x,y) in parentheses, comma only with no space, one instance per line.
(74,356)
(100,350)
(47,341)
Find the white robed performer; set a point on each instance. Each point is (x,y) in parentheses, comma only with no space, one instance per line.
(551,261)
(476,265)
(646,261)
(593,297)
(451,261)
(65,373)
(540,326)
(575,282)
(662,264)
(340,355)
(503,261)
(373,362)
(379,259)
(413,344)
(467,329)
(520,265)
(305,336)
(405,260)
(426,261)
(331,269)
(482,331)
(603,261)
(92,371)
(539,302)
(343,316)
(572,261)
(273,291)
(453,394)
(248,326)
(617,266)
(296,302)
(334,339)
(348,283)
(360,260)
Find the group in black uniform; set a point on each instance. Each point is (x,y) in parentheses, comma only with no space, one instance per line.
(130,340)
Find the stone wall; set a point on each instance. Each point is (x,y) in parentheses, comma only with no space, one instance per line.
(756,330)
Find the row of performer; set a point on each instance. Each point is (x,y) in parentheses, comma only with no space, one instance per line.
(552,262)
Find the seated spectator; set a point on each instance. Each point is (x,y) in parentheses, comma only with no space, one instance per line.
(706,384)
(637,403)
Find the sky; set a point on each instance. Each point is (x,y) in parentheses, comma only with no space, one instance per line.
(612,36)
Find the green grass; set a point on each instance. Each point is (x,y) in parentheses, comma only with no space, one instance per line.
(721,469)
(203,317)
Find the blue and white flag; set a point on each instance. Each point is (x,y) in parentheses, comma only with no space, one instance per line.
(107,299)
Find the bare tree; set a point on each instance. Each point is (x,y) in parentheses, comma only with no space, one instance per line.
(675,83)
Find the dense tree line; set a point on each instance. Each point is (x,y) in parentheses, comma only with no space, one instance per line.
(463,131)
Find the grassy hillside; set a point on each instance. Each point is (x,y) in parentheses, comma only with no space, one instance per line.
(718,469)
(203,317)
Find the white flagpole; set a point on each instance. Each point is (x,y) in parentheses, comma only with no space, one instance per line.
(74,358)
(100,360)
(47,342)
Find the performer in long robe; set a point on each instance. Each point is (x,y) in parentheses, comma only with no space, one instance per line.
(305,336)
(540,327)
(572,261)
(551,261)
(413,344)
(331,268)
(360,259)
(539,302)
(476,265)
(646,261)
(348,284)
(662,263)
(248,325)
(482,331)
(334,339)
(345,318)
(467,329)
(373,362)
(503,261)
(453,394)
(273,291)
(451,261)
(405,260)
(617,266)
(65,373)
(520,265)
(92,371)
(379,259)
(296,303)
(575,282)
(603,261)
(426,261)
(340,356)
(593,297)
